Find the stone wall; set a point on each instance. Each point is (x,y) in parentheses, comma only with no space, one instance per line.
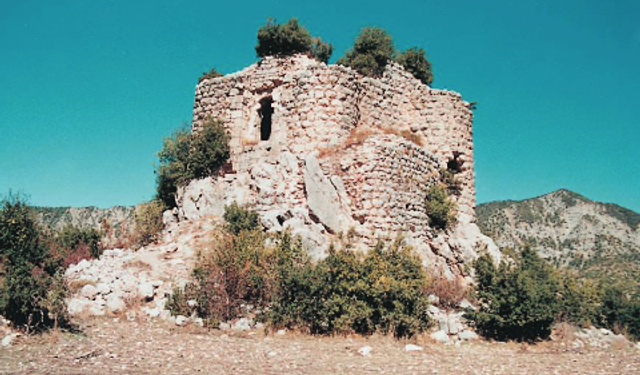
(345,151)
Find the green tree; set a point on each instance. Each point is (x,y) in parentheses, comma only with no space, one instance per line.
(371,52)
(289,39)
(321,51)
(415,62)
(29,294)
(517,302)
(186,156)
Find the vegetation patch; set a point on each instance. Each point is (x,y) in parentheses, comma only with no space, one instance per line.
(347,292)
(289,39)
(186,156)
(32,288)
(440,209)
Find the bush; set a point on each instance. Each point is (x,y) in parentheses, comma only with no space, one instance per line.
(238,270)
(32,293)
(71,238)
(321,51)
(240,219)
(186,156)
(517,302)
(348,292)
(371,52)
(289,39)
(213,73)
(440,209)
(148,222)
(415,62)
(449,292)
(579,300)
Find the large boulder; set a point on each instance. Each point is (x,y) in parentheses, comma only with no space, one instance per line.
(326,197)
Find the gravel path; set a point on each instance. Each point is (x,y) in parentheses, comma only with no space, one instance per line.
(109,346)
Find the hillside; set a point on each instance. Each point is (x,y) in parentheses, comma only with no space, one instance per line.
(57,218)
(569,230)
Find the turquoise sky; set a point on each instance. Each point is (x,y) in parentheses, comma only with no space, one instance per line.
(88,89)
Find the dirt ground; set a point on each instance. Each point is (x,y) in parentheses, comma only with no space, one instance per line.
(117,346)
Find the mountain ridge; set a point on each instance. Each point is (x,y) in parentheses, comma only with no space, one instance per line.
(572,231)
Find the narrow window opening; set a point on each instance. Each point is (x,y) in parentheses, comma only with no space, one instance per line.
(265,112)
(455,165)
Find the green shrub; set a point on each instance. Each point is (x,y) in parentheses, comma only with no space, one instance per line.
(31,293)
(440,209)
(619,311)
(321,51)
(347,292)
(516,302)
(186,156)
(451,181)
(148,222)
(289,39)
(238,270)
(283,39)
(239,218)
(371,52)
(213,73)
(70,238)
(415,62)
(579,300)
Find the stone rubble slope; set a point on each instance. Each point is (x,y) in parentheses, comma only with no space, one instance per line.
(123,279)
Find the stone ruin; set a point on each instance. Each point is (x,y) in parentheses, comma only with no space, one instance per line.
(320,149)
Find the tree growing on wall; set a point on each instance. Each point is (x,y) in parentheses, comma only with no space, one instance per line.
(371,52)
(415,62)
(289,39)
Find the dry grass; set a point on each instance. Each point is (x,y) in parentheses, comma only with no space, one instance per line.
(75,285)
(144,266)
(449,292)
(355,138)
(246,142)
(406,134)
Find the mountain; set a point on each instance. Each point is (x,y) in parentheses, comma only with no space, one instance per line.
(57,218)
(598,239)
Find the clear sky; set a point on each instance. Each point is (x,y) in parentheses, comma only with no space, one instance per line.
(88,89)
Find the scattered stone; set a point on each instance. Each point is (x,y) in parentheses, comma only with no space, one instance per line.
(243,324)
(10,339)
(224,326)
(467,335)
(146,291)
(365,351)
(440,336)
(181,320)
(76,306)
(115,304)
(281,332)
(89,291)
(466,305)
(413,348)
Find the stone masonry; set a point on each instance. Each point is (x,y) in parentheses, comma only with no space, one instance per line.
(321,149)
